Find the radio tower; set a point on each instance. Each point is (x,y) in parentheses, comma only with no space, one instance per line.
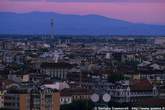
(52,28)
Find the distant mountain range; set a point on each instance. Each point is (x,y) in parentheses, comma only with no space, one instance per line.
(39,23)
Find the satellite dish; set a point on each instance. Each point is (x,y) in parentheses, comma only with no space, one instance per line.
(95,97)
(106,97)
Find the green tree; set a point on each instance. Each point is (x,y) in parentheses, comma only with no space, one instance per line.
(78,105)
(115,77)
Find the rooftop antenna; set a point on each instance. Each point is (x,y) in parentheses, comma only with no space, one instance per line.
(52,28)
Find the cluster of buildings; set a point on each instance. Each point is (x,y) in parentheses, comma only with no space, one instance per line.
(44,74)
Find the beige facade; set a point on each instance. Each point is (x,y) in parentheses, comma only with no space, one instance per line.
(46,102)
(33,101)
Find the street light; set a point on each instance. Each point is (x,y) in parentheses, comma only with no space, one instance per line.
(106,98)
(95,98)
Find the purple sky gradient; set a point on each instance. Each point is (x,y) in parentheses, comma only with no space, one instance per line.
(140,11)
(94,0)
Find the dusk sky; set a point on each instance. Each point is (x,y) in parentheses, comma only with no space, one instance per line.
(140,11)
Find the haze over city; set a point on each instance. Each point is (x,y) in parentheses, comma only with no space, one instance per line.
(136,11)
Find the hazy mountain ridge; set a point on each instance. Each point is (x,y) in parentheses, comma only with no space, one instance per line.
(39,23)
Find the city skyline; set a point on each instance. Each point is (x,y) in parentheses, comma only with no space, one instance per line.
(82,54)
(143,11)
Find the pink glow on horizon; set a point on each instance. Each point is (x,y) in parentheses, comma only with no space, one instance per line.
(135,12)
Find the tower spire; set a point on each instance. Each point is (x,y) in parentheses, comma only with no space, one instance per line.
(52,27)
